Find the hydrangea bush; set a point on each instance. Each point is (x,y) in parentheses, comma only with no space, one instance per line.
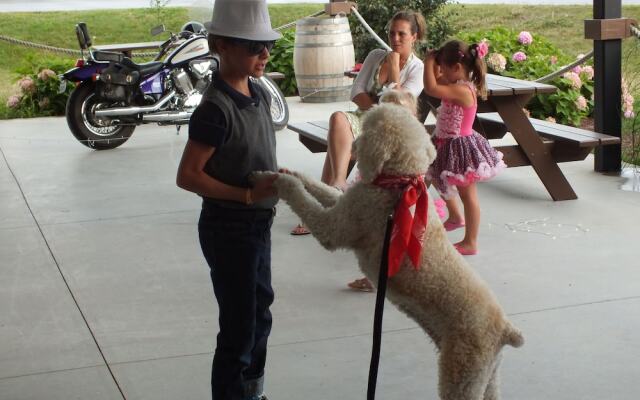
(37,90)
(528,56)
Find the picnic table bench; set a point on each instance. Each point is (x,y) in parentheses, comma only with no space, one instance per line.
(540,144)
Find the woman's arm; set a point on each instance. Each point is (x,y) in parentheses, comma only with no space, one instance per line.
(393,63)
(363,101)
(412,82)
(374,58)
(191,177)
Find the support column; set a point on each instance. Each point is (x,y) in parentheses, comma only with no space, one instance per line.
(607,88)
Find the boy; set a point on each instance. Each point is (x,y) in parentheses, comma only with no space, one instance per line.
(231,135)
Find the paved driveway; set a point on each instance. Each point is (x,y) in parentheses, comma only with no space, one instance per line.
(104,293)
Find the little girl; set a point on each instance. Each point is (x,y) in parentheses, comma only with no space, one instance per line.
(464,156)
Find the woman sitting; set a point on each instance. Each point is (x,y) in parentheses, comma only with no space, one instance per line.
(398,69)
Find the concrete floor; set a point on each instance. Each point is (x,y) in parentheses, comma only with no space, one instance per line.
(104,293)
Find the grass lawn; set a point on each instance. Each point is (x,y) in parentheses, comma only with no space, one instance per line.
(562,25)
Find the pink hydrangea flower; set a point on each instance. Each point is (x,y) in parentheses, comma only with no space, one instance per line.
(483,48)
(27,84)
(577,69)
(581,103)
(525,38)
(497,62)
(45,74)
(627,100)
(553,60)
(13,101)
(588,71)
(519,56)
(576,82)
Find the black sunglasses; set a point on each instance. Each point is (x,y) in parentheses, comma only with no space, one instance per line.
(254,47)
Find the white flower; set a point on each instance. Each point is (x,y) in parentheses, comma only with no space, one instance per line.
(497,62)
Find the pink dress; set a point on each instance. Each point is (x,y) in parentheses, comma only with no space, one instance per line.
(463,155)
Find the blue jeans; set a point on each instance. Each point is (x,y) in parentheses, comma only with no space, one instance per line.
(237,247)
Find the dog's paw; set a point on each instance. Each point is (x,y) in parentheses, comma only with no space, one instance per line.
(286,184)
(257,176)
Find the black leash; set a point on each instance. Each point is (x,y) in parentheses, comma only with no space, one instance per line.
(377,318)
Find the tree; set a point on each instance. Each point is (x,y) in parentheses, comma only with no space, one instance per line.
(378,12)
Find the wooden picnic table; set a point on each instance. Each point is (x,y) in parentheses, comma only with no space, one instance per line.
(540,144)
(508,97)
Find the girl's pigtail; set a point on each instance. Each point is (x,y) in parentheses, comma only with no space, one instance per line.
(478,71)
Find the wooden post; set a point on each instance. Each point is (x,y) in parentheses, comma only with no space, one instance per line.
(607,88)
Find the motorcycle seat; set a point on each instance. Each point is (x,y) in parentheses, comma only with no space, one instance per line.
(144,68)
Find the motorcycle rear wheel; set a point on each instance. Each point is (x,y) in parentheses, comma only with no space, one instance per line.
(88,129)
(279,107)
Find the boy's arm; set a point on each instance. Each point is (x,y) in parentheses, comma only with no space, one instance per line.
(191,177)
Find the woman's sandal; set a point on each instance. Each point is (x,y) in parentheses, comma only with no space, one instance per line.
(362,285)
(300,230)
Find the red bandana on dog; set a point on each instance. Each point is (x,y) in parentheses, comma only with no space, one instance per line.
(408,228)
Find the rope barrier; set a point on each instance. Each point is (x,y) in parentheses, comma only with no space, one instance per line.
(290,24)
(371,31)
(566,68)
(73,52)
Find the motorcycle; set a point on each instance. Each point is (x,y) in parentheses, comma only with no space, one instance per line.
(114,95)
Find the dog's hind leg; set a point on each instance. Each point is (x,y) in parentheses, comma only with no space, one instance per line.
(492,392)
(464,373)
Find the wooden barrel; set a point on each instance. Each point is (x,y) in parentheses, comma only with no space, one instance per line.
(323,51)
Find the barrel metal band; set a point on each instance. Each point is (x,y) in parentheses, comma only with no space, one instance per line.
(319,33)
(301,45)
(322,21)
(325,89)
(321,76)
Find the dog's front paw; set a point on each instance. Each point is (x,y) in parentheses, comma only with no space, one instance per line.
(257,176)
(287,184)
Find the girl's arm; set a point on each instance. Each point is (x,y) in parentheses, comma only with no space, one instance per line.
(435,87)
(191,177)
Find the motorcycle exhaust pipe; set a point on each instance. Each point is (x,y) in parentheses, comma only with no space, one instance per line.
(120,111)
(167,116)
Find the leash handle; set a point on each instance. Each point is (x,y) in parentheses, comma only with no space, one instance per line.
(379,309)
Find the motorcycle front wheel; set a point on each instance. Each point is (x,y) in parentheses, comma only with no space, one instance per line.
(279,107)
(86,127)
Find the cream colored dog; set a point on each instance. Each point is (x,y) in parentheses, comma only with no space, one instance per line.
(444,296)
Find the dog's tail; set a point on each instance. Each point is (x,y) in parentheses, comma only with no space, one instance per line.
(512,336)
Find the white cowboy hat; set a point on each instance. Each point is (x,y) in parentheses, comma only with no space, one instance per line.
(242,19)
